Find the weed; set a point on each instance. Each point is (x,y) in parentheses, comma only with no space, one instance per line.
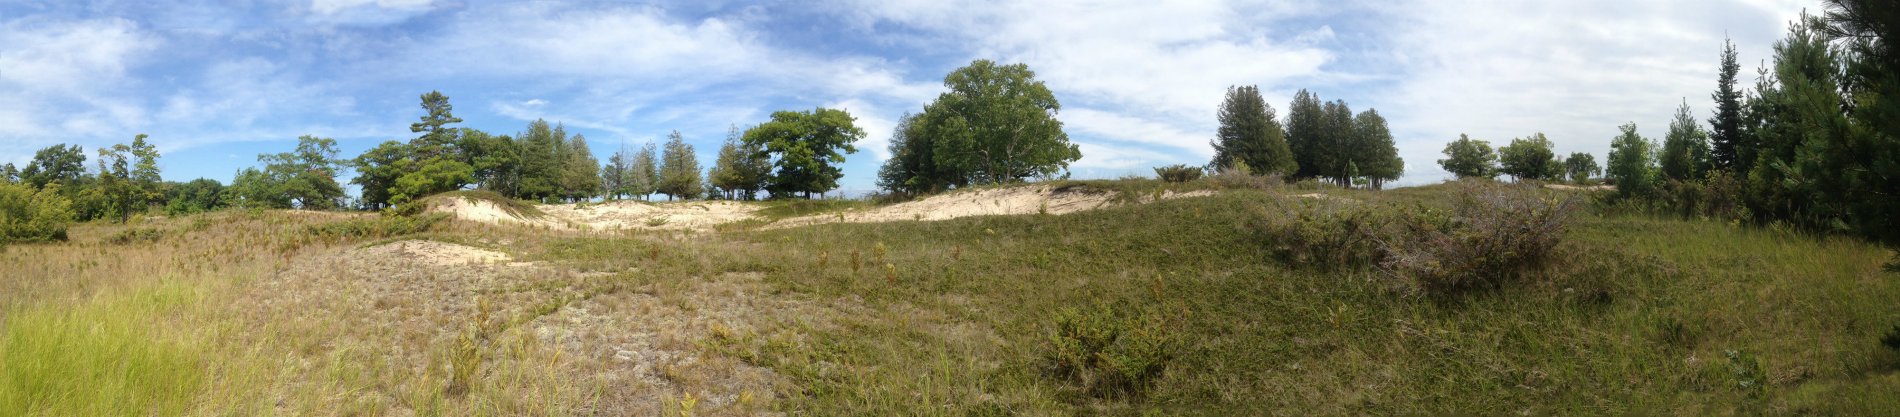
(136,235)
(856,262)
(1748,374)
(657,221)
(465,357)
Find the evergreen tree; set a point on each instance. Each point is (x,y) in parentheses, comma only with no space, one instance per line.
(613,175)
(1305,123)
(1250,134)
(541,161)
(581,175)
(1725,128)
(644,176)
(377,170)
(1865,162)
(1375,156)
(1685,151)
(679,169)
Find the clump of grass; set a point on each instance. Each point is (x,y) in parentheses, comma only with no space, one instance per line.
(103,358)
(465,356)
(657,221)
(1107,352)
(132,235)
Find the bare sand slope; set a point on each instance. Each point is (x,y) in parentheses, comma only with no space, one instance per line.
(617,215)
(1033,199)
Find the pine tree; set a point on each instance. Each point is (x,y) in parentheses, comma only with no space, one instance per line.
(1725,127)
(1685,150)
(614,174)
(1376,157)
(679,169)
(1250,134)
(1305,134)
(1632,163)
(581,178)
(644,175)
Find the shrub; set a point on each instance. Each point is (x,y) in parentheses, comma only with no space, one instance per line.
(1320,233)
(376,227)
(1178,173)
(1109,353)
(1235,179)
(1892,339)
(1494,233)
(136,235)
(27,215)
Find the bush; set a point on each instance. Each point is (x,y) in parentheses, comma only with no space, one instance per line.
(1892,339)
(1323,234)
(376,227)
(1178,173)
(1109,353)
(1237,179)
(136,235)
(27,215)
(1494,234)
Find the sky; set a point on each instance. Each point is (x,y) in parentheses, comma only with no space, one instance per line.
(217,83)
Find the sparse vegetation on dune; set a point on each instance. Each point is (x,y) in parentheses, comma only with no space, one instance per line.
(1175,306)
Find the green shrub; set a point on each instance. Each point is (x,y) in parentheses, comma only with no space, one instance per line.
(1178,173)
(1495,233)
(1109,353)
(1892,339)
(1322,234)
(376,227)
(27,215)
(1237,179)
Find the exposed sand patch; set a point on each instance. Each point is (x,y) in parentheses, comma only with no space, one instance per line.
(1567,187)
(629,215)
(1031,199)
(435,253)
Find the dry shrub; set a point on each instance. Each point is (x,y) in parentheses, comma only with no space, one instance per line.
(1494,234)
(1322,234)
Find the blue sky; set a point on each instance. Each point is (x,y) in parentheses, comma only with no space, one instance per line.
(215,84)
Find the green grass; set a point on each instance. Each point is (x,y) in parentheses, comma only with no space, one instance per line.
(1636,318)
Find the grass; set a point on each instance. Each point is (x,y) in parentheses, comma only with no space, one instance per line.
(251,314)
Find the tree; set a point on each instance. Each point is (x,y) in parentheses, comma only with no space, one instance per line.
(440,164)
(197,196)
(437,138)
(679,169)
(1632,163)
(145,177)
(1530,159)
(1581,167)
(1867,30)
(996,124)
(377,170)
(1468,158)
(1306,135)
(33,215)
(9,174)
(613,175)
(1685,150)
(581,180)
(911,168)
(304,178)
(644,175)
(738,172)
(806,146)
(1725,127)
(62,163)
(494,159)
(1375,156)
(540,171)
(1250,134)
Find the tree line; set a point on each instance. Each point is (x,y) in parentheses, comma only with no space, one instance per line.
(1318,140)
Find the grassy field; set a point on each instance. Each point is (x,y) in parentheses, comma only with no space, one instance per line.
(247,313)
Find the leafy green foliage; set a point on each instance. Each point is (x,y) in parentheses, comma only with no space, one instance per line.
(197,196)
(1109,352)
(996,124)
(30,215)
(1530,158)
(1250,134)
(1469,158)
(1178,173)
(1580,167)
(62,163)
(806,147)
(304,178)
(1632,164)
